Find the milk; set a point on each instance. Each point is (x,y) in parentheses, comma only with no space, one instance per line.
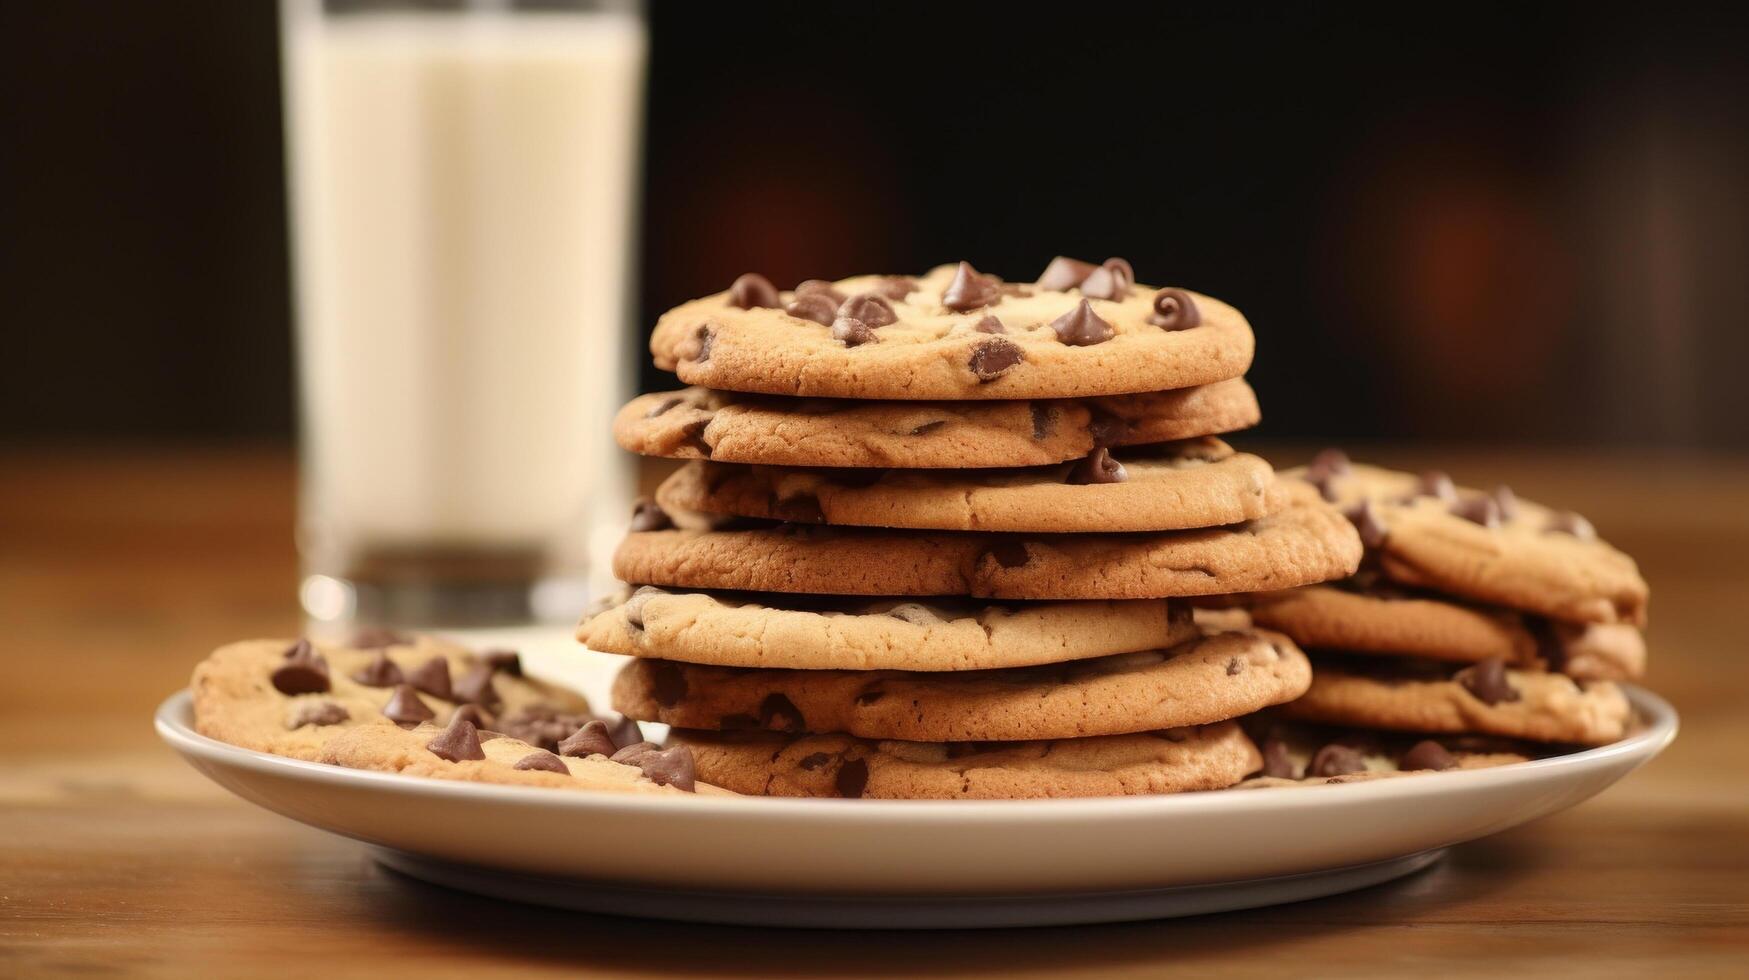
(462,207)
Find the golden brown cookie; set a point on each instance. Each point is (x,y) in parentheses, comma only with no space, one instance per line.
(953,334)
(1198,682)
(750,630)
(1394,623)
(1187,484)
(1304,542)
(1175,761)
(1487,547)
(730,427)
(1484,698)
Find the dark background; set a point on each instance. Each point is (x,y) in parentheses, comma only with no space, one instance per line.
(1491,223)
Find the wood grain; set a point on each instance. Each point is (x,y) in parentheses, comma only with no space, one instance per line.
(118,571)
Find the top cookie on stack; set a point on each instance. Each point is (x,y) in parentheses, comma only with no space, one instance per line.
(958,439)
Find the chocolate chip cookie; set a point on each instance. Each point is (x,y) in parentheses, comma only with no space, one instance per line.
(954,334)
(1302,543)
(1490,547)
(1303,755)
(1487,698)
(696,423)
(1172,761)
(1198,682)
(1188,484)
(787,631)
(289,697)
(1380,620)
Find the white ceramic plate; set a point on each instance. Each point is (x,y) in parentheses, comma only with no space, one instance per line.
(891,863)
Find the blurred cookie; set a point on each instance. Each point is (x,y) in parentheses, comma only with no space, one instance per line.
(1486,698)
(1390,622)
(954,334)
(1488,547)
(1198,682)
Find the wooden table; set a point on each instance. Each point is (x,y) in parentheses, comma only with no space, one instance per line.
(118,571)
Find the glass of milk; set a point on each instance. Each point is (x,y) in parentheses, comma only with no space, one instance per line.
(462,199)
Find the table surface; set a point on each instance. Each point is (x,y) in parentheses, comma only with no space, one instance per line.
(118,570)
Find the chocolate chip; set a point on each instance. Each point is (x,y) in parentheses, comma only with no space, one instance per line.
(647,515)
(1365,518)
(1081,327)
(1044,419)
(896,287)
(634,607)
(1437,484)
(814,760)
(476,716)
(376,637)
(872,309)
(508,661)
(316,713)
(667,682)
(1478,510)
(432,677)
(1507,501)
(928,427)
(870,695)
(1336,759)
(405,708)
(591,739)
(852,779)
(1567,522)
(993,358)
(624,731)
(1234,666)
(915,613)
(543,726)
(1276,762)
(702,340)
(853,332)
(662,407)
(1427,754)
(1328,463)
(475,687)
(380,672)
(542,761)
(819,287)
(970,290)
(303,671)
(1009,552)
(1107,430)
(802,509)
(1488,682)
(693,435)
(990,324)
(1174,310)
(777,713)
(818,307)
(457,743)
(1109,281)
(1098,467)
(664,767)
(752,290)
(1064,273)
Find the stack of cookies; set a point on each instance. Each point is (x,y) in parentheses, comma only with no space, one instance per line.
(935,538)
(1476,616)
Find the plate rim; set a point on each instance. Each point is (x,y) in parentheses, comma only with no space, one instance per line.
(173,721)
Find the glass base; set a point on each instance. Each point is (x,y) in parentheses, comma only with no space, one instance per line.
(450,587)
